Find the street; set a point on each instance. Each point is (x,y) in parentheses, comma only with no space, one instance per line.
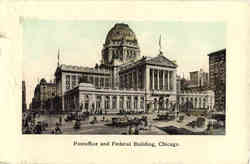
(155,127)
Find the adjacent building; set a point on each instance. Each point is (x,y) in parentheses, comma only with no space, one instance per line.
(43,95)
(24,105)
(194,99)
(199,81)
(217,76)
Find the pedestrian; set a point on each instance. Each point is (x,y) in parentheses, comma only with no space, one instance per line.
(136,130)
(129,130)
(58,130)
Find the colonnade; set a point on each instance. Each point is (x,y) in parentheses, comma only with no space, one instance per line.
(162,79)
(197,101)
(106,103)
(132,79)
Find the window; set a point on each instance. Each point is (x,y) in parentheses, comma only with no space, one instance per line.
(102,82)
(107,83)
(151,79)
(120,80)
(135,80)
(97,82)
(67,82)
(126,81)
(140,80)
(107,102)
(130,80)
(136,102)
(142,103)
(91,79)
(73,81)
(79,79)
(121,102)
(114,102)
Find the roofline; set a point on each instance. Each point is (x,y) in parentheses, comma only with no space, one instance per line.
(216,52)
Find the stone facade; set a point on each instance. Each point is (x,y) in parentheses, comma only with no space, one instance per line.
(122,70)
(87,98)
(217,76)
(196,101)
(124,81)
(199,79)
(44,92)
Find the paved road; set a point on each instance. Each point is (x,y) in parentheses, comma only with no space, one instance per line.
(102,128)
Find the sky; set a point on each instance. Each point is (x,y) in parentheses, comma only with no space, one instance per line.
(80,43)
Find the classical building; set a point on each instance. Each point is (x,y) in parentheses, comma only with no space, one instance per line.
(123,81)
(217,76)
(194,100)
(44,92)
(24,106)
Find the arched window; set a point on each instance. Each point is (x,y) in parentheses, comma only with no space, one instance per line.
(114,102)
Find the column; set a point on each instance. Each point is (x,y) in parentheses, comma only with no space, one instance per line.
(132,103)
(164,104)
(125,103)
(174,81)
(135,79)
(117,103)
(153,79)
(139,103)
(158,81)
(137,82)
(82,102)
(102,103)
(147,77)
(89,100)
(132,80)
(111,103)
(163,80)
(99,82)
(169,80)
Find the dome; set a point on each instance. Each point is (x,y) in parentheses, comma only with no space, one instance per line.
(121,32)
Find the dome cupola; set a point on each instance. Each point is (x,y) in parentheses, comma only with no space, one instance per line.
(121,45)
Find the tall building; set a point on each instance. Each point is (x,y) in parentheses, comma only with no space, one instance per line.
(199,80)
(217,76)
(44,92)
(24,106)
